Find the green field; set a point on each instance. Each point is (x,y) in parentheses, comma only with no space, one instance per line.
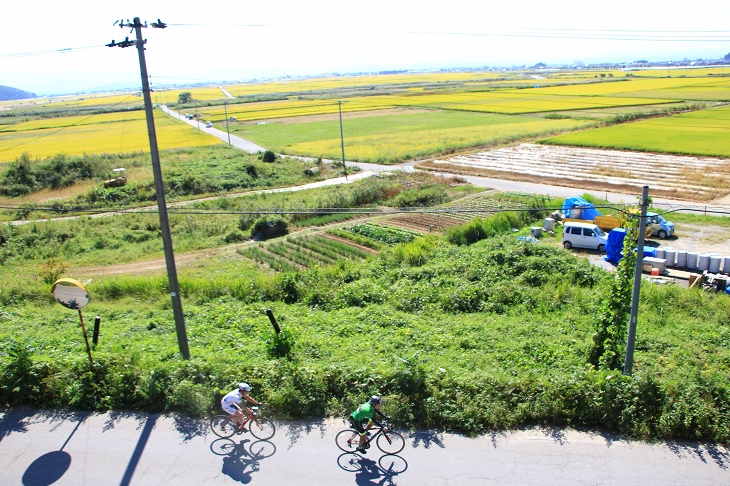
(701,132)
(387,139)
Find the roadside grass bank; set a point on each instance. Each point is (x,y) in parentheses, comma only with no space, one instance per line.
(489,335)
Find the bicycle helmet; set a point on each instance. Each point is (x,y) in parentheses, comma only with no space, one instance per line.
(244,387)
(375,400)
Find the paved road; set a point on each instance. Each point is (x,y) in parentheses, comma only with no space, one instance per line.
(64,448)
(236,141)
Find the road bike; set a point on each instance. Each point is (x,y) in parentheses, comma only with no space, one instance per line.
(260,427)
(387,440)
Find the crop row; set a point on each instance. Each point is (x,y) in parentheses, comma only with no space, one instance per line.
(328,247)
(384,234)
(293,253)
(259,255)
(425,222)
(357,239)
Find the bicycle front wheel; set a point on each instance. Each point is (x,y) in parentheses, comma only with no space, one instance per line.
(348,440)
(391,442)
(222,426)
(262,428)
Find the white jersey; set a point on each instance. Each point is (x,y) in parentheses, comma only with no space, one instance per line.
(228,401)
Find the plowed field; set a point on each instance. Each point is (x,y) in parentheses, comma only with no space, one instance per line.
(422,223)
(679,177)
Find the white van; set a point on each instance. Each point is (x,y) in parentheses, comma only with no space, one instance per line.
(584,235)
(208,124)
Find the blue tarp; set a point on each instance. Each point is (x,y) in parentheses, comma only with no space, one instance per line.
(615,245)
(587,210)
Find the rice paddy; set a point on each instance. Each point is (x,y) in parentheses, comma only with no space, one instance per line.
(702,132)
(110,133)
(451,111)
(387,139)
(271,110)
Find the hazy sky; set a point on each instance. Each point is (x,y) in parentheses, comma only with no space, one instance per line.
(212,40)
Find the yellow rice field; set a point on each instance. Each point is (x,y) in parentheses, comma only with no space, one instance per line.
(67,121)
(201,94)
(267,110)
(507,101)
(658,88)
(349,82)
(128,135)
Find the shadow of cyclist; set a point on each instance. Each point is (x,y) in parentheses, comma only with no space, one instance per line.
(237,461)
(370,473)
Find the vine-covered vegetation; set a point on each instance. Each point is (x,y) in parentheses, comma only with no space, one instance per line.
(489,335)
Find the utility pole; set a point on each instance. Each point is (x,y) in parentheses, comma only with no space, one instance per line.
(631,339)
(342,139)
(225,108)
(182,338)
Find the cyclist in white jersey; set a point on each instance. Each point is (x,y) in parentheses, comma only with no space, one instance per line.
(233,405)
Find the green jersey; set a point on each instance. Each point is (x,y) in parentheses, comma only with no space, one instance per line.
(363,412)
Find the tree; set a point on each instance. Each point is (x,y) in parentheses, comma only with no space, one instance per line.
(185,97)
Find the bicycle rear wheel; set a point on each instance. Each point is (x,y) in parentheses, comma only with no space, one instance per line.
(348,440)
(262,428)
(390,442)
(222,426)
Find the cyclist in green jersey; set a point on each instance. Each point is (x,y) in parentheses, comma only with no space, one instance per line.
(363,418)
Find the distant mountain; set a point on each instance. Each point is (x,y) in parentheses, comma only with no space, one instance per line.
(8,93)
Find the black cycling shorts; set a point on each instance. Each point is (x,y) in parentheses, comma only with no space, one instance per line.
(357,425)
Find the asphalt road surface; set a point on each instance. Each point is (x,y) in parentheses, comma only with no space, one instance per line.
(72,448)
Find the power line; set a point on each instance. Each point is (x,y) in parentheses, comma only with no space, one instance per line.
(549,33)
(50,51)
(328,211)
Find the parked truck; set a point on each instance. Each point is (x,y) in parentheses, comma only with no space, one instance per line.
(579,210)
(656,225)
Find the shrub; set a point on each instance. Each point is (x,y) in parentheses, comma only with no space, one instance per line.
(279,345)
(252,171)
(267,227)
(269,156)
(52,270)
(479,229)
(234,236)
